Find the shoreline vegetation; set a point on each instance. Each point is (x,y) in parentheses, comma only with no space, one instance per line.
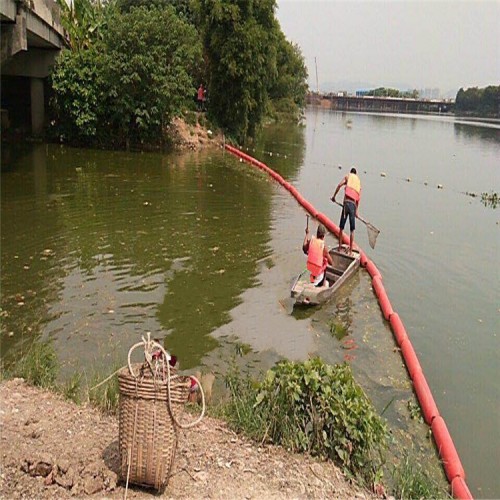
(310,414)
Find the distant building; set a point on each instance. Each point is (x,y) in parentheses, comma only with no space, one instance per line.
(362,93)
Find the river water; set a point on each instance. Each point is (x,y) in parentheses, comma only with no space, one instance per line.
(199,249)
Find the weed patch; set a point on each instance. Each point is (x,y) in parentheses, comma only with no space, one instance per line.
(38,366)
(411,480)
(311,407)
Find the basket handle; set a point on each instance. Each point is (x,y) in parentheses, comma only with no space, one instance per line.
(194,422)
(148,348)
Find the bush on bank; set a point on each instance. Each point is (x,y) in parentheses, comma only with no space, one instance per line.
(128,85)
(312,407)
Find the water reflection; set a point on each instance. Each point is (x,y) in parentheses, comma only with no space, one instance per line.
(472,132)
(92,242)
(282,147)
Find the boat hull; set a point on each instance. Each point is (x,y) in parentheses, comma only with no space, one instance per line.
(344,266)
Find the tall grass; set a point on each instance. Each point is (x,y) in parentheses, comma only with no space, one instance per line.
(104,397)
(38,366)
(411,480)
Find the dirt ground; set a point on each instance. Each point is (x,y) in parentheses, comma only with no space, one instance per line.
(192,137)
(52,448)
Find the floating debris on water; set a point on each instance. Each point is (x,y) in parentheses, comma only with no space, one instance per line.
(490,199)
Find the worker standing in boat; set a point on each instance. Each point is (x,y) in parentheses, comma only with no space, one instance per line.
(317,256)
(352,196)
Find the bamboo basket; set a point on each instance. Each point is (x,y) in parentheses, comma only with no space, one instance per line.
(150,400)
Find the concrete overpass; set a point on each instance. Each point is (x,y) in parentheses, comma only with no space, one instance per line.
(381,104)
(31,37)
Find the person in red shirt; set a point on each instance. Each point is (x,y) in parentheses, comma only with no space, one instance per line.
(200,97)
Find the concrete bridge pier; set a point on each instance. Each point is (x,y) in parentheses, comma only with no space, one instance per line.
(31,36)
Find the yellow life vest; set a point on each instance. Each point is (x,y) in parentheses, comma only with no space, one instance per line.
(353,187)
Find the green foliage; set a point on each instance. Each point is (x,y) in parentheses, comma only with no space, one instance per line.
(38,366)
(338,328)
(78,94)
(240,47)
(481,102)
(124,88)
(312,407)
(104,397)
(84,21)
(389,92)
(134,64)
(182,7)
(415,412)
(288,91)
(150,57)
(411,480)
(72,387)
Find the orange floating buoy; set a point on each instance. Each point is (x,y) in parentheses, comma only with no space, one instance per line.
(424,395)
(447,451)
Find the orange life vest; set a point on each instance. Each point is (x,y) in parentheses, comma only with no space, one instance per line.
(316,262)
(353,187)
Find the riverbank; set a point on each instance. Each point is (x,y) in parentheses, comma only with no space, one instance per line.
(52,448)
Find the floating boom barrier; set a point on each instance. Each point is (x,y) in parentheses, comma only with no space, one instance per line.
(451,461)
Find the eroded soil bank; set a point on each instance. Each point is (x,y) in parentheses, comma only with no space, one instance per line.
(52,448)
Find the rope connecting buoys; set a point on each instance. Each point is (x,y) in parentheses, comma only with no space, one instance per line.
(447,451)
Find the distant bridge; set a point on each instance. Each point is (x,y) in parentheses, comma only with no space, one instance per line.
(31,37)
(381,104)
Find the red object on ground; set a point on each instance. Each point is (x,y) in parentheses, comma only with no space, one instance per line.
(424,395)
(447,451)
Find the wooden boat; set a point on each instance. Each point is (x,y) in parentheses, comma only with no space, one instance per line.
(344,266)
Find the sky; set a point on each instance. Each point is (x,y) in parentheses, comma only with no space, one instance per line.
(406,44)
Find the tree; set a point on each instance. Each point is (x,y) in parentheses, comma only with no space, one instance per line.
(151,54)
(482,102)
(182,7)
(288,91)
(239,38)
(78,93)
(84,21)
(125,86)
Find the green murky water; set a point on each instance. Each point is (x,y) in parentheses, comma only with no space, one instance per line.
(199,249)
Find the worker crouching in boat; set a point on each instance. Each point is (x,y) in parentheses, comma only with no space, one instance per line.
(317,256)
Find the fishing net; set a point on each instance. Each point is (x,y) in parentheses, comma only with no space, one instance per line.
(373,232)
